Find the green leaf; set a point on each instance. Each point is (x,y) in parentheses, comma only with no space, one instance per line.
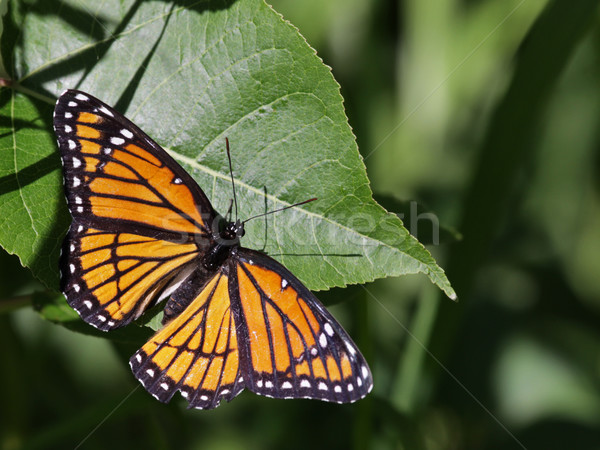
(32,210)
(190,75)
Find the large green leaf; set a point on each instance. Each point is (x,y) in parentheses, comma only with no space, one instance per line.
(33,215)
(191,74)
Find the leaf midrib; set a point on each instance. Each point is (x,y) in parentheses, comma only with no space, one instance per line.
(193,163)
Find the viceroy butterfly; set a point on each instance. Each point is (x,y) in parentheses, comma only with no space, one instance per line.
(143,230)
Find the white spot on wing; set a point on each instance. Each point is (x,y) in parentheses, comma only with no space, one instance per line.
(284,283)
(83,98)
(365,372)
(323,340)
(78,200)
(305,384)
(88,304)
(337,389)
(106,111)
(184,394)
(286,385)
(328,329)
(68,129)
(125,132)
(117,140)
(72,146)
(72,268)
(76,162)
(350,348)
(138,357)
(259,383)
(203,398)
(101,318)
(76,288)
(314,351)
(322,386)
(76,181)
(268,384)
(350,387)
(68,115)
(165,386)
(150,372)
(72,104)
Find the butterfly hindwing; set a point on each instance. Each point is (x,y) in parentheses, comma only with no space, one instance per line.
(197,352)
(110,278)
(293,346)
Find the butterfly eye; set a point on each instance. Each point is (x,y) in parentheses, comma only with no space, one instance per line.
(240,231)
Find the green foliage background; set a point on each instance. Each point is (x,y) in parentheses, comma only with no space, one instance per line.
(484,111)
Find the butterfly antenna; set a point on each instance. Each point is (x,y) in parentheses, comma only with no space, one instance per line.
(228,213)
(231,173)
(280,209)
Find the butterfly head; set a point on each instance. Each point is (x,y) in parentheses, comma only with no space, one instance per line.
(226,237)
(230,233)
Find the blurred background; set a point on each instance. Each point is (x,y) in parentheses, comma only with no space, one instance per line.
(484,112)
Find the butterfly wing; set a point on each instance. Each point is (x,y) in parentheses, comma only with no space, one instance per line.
(254,325)
(111,277)
(138,218)
(196,353)
(290,345)
(116,177)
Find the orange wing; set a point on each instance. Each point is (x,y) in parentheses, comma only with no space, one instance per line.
(197,352)
(117,178)
(293,347)
(138,218)
(111,278)
(253,325)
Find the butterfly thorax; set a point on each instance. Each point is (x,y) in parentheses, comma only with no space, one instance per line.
(224,240)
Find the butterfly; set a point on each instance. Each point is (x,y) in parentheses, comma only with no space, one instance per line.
(143,230)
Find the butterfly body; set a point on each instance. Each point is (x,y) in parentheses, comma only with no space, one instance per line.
(226,241)
(143,230)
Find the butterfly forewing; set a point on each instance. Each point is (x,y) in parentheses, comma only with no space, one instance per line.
(117,177)
(294,347)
